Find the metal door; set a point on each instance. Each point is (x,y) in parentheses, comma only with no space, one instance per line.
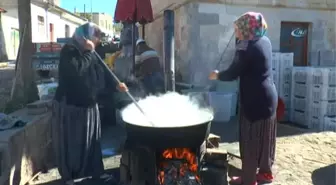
(294,39)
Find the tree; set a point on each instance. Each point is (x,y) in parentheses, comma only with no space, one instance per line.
(117,27)
(24,87)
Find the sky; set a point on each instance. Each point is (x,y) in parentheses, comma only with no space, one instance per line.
(102,6)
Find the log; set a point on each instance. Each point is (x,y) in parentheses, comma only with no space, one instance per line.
(217,157)
(213,141)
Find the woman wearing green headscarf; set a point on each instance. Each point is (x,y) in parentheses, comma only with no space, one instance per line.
(76,122)
(258,99)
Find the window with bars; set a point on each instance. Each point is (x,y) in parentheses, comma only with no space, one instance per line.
(40,25)
(67,31)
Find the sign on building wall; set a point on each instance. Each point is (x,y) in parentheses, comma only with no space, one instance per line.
(299,32)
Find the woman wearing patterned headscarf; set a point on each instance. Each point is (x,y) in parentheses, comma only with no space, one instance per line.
(258,98)
(76,121)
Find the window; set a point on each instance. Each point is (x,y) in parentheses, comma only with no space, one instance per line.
(67,31)
(102,23)
(40,25)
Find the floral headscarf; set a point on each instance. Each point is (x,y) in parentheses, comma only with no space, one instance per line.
(86,31)
(251,26)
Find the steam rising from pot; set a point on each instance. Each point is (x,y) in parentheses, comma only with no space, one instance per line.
(167,110)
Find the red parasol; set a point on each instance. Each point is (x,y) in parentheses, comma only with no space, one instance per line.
(133,11)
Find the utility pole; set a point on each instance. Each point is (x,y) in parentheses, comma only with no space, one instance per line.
(91,12)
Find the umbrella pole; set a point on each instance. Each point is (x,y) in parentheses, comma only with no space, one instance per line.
(133,43)
(143,31)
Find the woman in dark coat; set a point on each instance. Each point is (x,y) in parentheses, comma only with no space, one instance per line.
(258,99)
(76,122)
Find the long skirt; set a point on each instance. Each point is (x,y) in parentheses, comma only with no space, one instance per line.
(153,83)
(76,134)
(257,146)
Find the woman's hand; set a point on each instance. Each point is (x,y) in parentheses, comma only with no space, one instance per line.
(122,87)
(213,75)
(89,45)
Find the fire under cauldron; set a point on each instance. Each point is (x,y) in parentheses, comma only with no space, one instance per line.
(170,156)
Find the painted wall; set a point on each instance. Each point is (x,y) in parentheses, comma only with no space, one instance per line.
(9,22)
(105,21)
(203,30)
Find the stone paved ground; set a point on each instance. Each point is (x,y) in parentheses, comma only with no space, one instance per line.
(302,158)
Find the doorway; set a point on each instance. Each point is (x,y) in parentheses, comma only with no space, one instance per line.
(294,39)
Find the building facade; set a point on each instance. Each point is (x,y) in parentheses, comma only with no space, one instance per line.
(103,20)
(49,22)
(203,30)
(3,53)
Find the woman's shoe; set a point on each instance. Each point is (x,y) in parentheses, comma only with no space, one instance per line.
(106,177)
(264,178)
(238,181)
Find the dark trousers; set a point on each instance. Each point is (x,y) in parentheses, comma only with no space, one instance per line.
(107,109)
(257,142)
(153,83)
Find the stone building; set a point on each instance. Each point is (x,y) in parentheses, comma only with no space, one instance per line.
(203,29)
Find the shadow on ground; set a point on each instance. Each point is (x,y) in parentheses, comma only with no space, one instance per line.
(325,175)
(114,172)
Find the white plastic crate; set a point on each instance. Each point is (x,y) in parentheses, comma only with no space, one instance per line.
(301,90)
(323,108)
(329,124)
(285,75)
(317,123)
(287,101)
(302,74)
(275,75)
(284,89)
(323,93)
(275,60)
(301,118)
(324,76)
(286,60)
(222,106)
(300,104)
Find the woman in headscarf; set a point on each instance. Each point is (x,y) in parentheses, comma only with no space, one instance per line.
(148,68)
(258,98)
(76,122)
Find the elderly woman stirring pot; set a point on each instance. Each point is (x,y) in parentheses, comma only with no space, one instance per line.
(258,99)
(76,122)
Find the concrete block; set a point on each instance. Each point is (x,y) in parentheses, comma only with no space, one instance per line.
(4,163)
(318,33)
(314,58)
(208,18)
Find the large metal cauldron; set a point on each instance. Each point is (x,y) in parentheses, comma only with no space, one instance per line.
(168,137)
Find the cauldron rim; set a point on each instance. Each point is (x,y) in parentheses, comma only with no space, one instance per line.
(187,126)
